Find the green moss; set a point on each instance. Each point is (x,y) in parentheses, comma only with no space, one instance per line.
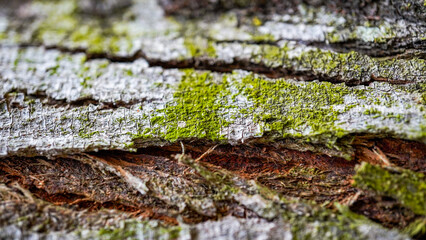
(308,112)
(404,185)
(64,25)
(275,55)
(132,229)
(373,111)
(90,37)
(129,72)
(291,109)
(196,111)
(198,47)
(83,134)
(85,82)
(421,88)
(129,145)
(417,228)
(256,21)
(85,125)
(60,20)
(333,36)
(351,66)
(53,70)
(263,37)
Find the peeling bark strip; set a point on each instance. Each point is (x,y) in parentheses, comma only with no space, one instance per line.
(182,119)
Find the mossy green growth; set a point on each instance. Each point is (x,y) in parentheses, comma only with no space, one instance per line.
(417,229)
(65,26)
(59,21)
(275,55)
(198,47)
(422,91)
(263,38)
(406,186)
(371,32)
(197,110)
(132,229)
(351,66)
(305,110)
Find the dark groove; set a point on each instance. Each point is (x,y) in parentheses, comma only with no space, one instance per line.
(224,67)
(47,100)
(393,48)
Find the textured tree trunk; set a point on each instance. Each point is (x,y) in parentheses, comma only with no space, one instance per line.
(181,119)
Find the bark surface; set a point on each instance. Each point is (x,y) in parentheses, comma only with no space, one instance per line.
(181,119)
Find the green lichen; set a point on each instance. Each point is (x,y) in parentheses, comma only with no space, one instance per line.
(417,228)
(290,109)
(376,113)
(86,124)
(59,22)
(333,36)
(421,89)
(274,56)
(196,111)
(347,66)
(198,47)
(53,70)
(263,38)
(256,21)
(310,113)
(65,26)
(371,32)
(132,229)
(351,66)
(404,185)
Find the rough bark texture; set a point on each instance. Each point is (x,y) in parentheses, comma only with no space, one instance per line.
(181,119)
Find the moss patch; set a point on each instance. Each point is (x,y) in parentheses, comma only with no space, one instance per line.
(404,185)
(196,111)
(198,47)
(135,229)
(64,26)
(347,67)
(295,110)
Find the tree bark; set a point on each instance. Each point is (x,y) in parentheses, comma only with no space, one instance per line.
(183,119)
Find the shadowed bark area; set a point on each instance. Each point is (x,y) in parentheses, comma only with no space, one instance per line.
(412,10)
(181,119)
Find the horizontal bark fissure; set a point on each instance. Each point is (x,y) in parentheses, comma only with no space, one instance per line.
(394,48)
(225,67)
(45,99)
